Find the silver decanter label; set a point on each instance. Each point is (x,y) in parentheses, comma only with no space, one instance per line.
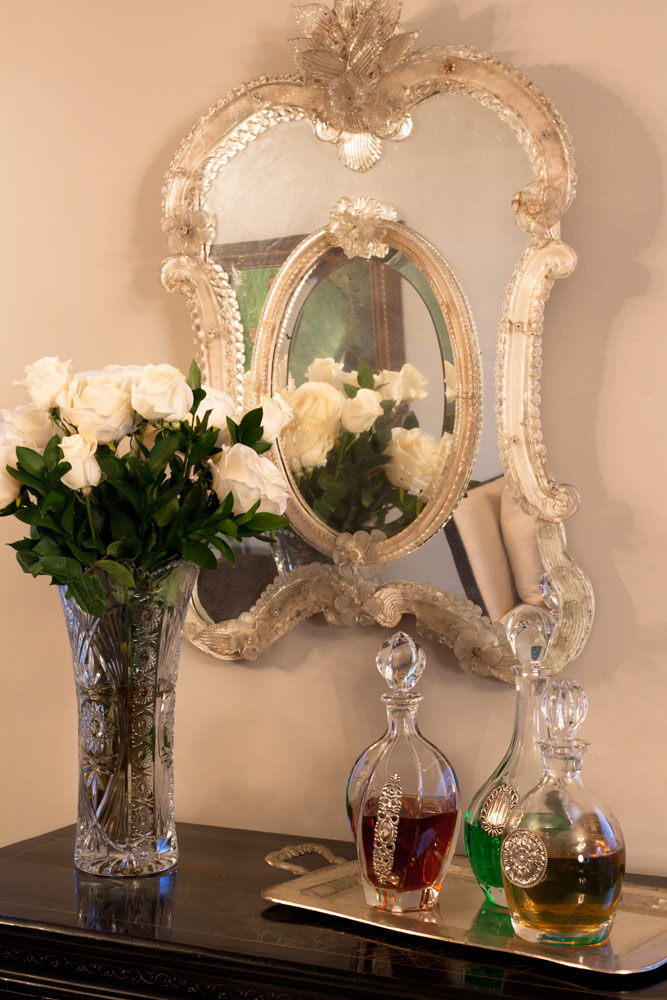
(496,809)
(386,829)
(523,858)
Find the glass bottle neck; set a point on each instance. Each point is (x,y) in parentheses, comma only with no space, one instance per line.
(564,758)
(401,713)
(529,722)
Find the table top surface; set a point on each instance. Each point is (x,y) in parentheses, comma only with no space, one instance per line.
(210,914)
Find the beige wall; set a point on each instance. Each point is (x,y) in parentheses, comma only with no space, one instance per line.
(96,98)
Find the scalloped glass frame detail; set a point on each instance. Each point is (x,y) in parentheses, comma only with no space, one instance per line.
(243,117)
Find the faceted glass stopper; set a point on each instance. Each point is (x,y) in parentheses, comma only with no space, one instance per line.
(529,630)
(565,706)
(401,662)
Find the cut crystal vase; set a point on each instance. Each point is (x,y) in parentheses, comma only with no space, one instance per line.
(125,669)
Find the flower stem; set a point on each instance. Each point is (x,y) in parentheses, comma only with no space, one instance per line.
(90,517)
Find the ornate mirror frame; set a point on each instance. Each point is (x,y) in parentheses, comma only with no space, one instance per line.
(346,591)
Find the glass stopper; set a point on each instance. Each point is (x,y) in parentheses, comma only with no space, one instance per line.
(529,630)
(401,662)
(548,595)
(565,706)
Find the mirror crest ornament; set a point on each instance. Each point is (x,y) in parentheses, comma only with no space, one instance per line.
(360,80)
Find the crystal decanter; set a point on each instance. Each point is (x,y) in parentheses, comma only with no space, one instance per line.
(529,630)
(403,796)
(563,855)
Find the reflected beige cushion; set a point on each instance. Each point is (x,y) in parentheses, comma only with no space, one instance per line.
(519,536)
(477,519)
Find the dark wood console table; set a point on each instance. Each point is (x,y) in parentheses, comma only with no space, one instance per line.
(206,932)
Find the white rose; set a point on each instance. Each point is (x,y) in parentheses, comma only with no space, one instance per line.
(99,405)
(276,415)
(130,373)
(328,370)
(359,414)
(26,425)
(414,456)
(403,387)
(9,488)
(45,379)
(451,382)
(162,393)
(79,451)
(221,406)
(249,478)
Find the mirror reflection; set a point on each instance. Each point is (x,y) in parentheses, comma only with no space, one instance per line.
(453,180)
(370,431)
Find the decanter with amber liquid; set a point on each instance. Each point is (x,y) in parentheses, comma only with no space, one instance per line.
(563,854)
(529,630)
(405,807)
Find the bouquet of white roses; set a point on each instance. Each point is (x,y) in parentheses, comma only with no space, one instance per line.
(355,446)
(124,470)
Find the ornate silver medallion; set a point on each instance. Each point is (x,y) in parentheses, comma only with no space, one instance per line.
(496,809)
(523,858)
(386,829)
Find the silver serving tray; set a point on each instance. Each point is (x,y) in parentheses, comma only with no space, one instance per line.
(637,942)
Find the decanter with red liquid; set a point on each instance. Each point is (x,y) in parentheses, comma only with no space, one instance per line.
(404,805)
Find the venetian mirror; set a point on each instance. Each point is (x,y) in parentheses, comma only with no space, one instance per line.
(374,240)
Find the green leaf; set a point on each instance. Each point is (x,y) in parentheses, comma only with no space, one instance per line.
(67,518)
(52,500)
(60,566)
(365,376)
(167,513)
(223,547)
(48,546)
(117,571)
(89,594)
(112,467)
(198,553)
(350,390)
(410,420)
(197,396)
(203,445)
(31,461)
(23,545)
(123,549)
(52,453)
(27,479)
(29,563)
(122,527)
(194,376)
(162,451)
(262,446)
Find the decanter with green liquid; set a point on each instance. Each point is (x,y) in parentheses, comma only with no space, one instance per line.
(529,630)
(563,853)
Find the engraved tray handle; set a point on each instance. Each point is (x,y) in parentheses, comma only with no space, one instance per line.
(280,859)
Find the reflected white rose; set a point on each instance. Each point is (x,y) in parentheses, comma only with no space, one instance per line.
(328,370)
(248,477)
(404,386)
(99,405)
(9,488)
(276,415)
(359,414)
(221,406)
(44,380)
(27,426)
(315,425)
(307,445)
(162,393)
(79,451)
(317,401)
(451,382)
(414,458)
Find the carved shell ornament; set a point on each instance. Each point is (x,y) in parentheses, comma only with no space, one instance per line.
(346,52)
